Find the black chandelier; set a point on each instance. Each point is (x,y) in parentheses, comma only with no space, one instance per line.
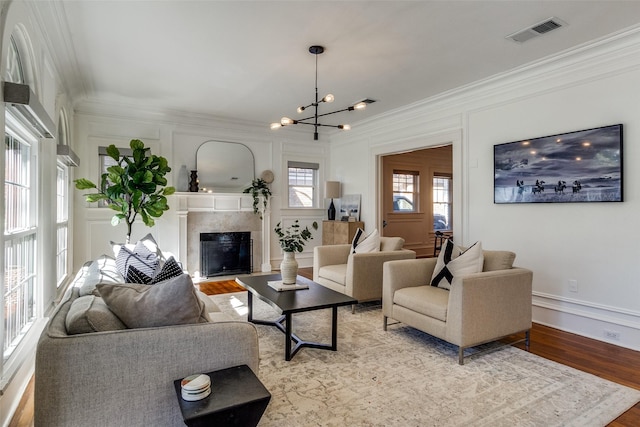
(313,120)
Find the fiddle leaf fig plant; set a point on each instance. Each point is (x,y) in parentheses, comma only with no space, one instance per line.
(135,185)
(259,187)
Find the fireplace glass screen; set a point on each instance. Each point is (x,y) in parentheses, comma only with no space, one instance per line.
(225,253)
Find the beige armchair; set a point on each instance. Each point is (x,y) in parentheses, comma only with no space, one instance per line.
(479,308)
(356,275)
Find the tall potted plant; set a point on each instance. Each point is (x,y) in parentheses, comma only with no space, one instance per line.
(292,239)
(135,185)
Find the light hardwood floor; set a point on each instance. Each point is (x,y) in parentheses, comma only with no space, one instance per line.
(607,361)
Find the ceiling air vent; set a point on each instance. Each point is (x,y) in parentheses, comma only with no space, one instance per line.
(536,30)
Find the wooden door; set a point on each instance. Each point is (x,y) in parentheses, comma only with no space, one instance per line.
(410,216)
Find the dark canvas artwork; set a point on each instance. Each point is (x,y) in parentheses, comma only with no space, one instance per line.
(582,166)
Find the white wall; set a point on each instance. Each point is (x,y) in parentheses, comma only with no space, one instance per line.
(177,138)
(593,243)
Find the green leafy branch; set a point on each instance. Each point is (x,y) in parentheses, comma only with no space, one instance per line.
(135,185)
(294,237)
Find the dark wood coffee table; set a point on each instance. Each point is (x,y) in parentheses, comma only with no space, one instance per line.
(317,297)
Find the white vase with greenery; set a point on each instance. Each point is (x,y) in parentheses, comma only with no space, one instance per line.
(289,268)
(292,239)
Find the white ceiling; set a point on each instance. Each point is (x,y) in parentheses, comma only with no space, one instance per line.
(249,60)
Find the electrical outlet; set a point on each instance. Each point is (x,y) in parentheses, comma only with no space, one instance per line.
(612,335)
(573,285)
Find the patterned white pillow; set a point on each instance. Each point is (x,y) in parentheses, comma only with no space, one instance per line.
(169,269)
(165,271)
(141,258)
(361,245)
(454,262)
(147,241)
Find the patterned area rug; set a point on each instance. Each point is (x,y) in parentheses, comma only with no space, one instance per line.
(403,377)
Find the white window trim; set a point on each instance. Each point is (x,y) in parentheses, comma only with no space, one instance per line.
(24,350)
(65,223)
(321,177)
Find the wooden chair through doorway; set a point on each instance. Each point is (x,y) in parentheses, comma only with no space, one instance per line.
(439,239)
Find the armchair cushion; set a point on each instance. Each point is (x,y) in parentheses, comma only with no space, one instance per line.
(498,260)
(428,300)
(336,273)
(454,262)
(391,244)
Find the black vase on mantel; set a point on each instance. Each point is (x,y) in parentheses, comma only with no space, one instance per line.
(193,184)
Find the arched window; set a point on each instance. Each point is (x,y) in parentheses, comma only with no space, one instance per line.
(21,281)
(13,73)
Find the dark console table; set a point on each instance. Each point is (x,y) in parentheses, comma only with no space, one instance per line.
(237,398)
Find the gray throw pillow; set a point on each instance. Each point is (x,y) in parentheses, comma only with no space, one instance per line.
(90,314)
(173,302)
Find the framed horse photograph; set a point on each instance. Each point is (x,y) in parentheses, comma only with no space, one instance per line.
(572,167)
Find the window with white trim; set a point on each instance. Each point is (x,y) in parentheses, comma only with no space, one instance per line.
(62,208)
(13,72)
(20,222)
(303,184)
(20,234)
(406,190)
(62,221)
(442,202)
(106,161)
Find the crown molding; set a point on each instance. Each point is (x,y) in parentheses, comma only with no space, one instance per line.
(51,20)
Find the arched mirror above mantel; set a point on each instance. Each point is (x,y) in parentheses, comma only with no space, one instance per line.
(224,167)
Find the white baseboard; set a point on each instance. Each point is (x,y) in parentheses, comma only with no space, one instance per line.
(603,323)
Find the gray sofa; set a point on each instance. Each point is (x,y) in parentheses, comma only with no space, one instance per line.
(124,377)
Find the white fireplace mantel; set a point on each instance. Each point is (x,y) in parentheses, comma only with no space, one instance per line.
(219,202)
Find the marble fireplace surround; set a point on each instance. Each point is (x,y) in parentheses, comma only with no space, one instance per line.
(216,213)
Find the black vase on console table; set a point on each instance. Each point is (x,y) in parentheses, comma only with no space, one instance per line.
(331,213)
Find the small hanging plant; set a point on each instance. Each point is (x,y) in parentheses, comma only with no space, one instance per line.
(259,187)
